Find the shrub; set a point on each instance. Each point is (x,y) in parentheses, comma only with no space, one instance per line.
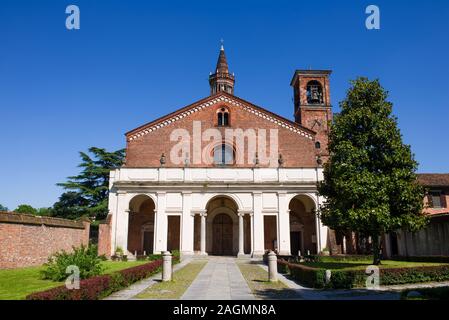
(347,279)
(282,266)
(85,258)
(307,276)
(99,287)
(390,276)
(437,259)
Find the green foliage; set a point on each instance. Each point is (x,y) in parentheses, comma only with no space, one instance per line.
(45,212)
(356,278)
(70,206)
(439,293)
(26,208)
(370,183)
(85,258)
(3,208)
(88,191)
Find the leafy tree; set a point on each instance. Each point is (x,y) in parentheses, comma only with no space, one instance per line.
(71,205)
(370,183)
(45,211)
(26,208)
(3,208)
(91,186)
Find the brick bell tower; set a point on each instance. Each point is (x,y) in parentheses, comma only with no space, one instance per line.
(221,79)
(312,106)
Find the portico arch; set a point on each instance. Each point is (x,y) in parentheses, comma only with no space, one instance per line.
(141,225)
(224,228)
(303,229)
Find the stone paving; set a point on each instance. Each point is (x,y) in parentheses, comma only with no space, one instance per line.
(220,279)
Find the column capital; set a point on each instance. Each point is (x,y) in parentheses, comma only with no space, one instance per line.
(122,192)
(201,212)
(243,212)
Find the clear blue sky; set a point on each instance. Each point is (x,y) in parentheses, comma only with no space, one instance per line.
(132,61)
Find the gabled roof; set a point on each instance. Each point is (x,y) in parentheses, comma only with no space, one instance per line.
(434,179)
(211,100)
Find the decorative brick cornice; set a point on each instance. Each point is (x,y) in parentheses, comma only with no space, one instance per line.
(219,98)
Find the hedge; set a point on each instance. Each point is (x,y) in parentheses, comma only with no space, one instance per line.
(99,287)
(346,279)
(437,259)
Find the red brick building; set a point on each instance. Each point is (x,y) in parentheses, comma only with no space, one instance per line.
(225,176)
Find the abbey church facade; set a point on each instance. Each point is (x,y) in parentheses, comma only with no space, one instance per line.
(223,176)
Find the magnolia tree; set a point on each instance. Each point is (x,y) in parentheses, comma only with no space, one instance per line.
(369,181)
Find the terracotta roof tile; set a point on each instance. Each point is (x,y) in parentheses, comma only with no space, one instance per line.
(434,179)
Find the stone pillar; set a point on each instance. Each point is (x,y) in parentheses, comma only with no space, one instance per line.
(203,233)
(167,266)
(258,226)
(241,235)
(121,223)
(251,224)
(272,267)
(284,225)
(161,229)
(187,224)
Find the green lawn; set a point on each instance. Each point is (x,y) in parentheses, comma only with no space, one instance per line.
(328,263)
(182,279)
(257,279)
(16,284)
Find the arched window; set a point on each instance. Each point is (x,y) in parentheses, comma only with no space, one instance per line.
(223,117)
(317,145)
(223,154)
(314,92)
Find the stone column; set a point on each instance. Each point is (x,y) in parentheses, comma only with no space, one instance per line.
(121,222)
(241,236)
(258,226)
(284,225)
(161,224)
(187,224)
(251,223)
(203,233)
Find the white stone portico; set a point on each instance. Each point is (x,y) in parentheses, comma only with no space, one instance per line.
(185,208)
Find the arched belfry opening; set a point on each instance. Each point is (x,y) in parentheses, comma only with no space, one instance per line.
(303,237)
(141,225)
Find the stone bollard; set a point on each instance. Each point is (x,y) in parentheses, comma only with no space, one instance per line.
(166,266)
(272,267)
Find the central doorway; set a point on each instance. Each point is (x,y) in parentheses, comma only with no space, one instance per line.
(222,235)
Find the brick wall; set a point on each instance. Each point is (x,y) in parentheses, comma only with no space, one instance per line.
(146,150)
(104,237)
(28,240)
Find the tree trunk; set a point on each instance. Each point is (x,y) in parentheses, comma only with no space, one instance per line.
(376,250)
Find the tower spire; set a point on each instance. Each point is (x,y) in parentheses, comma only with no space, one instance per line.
(221,80)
